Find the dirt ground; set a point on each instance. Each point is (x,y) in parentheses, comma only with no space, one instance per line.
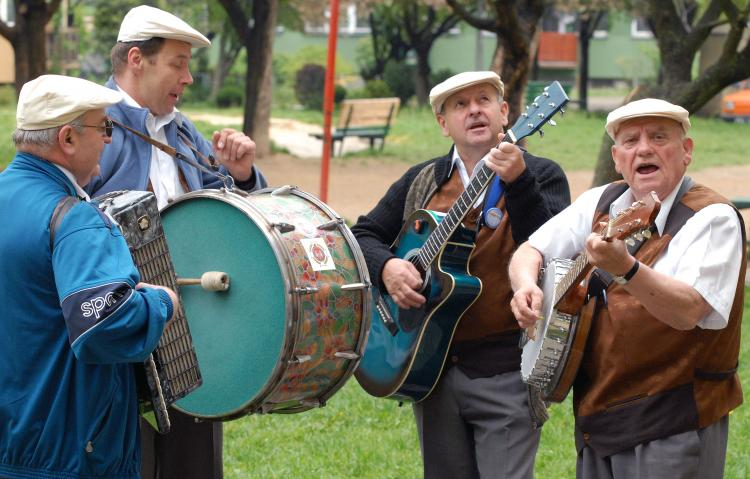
(355,186)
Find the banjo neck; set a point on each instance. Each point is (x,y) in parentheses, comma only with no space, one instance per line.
(634,221)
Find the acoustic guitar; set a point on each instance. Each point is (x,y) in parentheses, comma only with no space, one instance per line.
(406,348)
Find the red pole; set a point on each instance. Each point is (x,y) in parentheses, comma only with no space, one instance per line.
(328,99)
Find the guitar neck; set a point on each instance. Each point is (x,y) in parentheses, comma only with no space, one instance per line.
(578,270)
(435,242)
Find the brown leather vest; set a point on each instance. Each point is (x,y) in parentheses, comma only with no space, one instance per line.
(641,379)
(490,314)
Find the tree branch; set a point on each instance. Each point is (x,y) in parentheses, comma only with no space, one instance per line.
(8,32)
(239,19)
(468,17)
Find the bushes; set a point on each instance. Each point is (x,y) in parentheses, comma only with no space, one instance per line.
(308,86)
(230,95)
(400,79)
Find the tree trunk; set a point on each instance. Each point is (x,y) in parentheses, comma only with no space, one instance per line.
(422,86)
(257,117)
(29,40)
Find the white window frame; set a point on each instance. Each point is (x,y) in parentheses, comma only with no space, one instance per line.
(639,33)
(347,23)
(5,6)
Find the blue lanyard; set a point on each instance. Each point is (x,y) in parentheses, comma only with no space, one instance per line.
(493,196)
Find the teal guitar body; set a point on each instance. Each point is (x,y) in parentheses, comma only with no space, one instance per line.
(407,348)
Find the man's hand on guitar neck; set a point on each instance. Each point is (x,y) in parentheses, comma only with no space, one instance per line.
(611,255)
(402,280)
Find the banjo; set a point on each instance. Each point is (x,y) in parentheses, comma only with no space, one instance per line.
(554,347)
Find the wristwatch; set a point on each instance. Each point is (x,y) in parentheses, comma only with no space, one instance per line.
(627,276)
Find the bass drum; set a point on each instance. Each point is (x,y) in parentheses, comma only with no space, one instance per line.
(292,325)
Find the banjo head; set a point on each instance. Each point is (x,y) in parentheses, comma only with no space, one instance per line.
(542,356)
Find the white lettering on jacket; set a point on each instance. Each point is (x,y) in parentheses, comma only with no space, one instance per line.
(96,305)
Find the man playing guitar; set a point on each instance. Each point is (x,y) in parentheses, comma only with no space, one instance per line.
(476,421)
(658,375)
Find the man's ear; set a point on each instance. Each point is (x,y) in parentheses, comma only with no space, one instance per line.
(67,140)
(135,57)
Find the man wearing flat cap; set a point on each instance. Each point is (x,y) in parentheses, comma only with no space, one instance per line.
(658,377)
(74,314)
(150,64)
(476,422)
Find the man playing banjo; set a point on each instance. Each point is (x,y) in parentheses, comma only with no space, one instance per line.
(658,375)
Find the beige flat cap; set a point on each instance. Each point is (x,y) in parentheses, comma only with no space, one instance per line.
(442,91)
(646,107)
(144,23)
(54,100)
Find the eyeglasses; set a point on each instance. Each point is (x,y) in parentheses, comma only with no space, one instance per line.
(105,128)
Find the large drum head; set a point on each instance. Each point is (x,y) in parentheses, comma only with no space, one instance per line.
(207,232)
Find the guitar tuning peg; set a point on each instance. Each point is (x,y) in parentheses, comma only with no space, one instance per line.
(638,236)
(646,234)
(629,241)
(552,123)
(541,133)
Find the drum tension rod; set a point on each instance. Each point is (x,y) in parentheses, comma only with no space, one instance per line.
(331,225)
(354,286)
(306,289)
(346,355)
(210,281)
(283,190)
(283,228)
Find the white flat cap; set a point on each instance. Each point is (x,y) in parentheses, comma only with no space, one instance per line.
(53,100)
(646,107)
(442,91)
(144,23)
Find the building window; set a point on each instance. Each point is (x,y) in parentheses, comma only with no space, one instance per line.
(601,30)
(639,29)
(350,22)
(7,12)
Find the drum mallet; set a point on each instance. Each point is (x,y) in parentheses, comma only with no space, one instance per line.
(210,281)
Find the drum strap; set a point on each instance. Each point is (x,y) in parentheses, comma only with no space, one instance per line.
(62,208)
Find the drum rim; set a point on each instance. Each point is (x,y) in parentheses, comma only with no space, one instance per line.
(238,200)
(364,277)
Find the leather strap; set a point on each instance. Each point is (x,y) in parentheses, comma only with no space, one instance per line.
(62,208)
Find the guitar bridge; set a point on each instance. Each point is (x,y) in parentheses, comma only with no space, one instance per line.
(385,316)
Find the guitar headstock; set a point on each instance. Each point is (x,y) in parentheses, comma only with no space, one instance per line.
(634,221)
(539,112)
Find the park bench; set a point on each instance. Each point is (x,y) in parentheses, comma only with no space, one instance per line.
(369,118)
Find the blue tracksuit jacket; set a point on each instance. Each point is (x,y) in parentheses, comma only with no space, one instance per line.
(71,324)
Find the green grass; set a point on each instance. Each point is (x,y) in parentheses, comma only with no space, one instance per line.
(356,435)
(574,143)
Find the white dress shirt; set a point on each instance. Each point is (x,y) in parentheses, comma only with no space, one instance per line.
(163,171)
(705,254)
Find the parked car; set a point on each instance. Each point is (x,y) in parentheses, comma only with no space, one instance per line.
(735,106)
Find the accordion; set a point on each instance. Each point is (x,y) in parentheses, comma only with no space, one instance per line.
(171,370)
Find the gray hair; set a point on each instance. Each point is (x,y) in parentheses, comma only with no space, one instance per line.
(44,138)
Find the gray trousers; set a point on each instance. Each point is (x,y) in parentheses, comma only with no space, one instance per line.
(698,454)
(472,428)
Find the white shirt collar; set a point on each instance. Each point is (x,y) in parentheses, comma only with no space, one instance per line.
(627,198)
(69,175)
(158,121)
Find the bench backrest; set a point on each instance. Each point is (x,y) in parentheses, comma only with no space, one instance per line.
(368,113)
